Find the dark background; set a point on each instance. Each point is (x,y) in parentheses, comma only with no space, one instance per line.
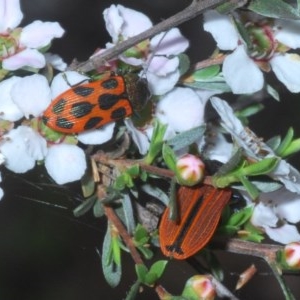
(46,253)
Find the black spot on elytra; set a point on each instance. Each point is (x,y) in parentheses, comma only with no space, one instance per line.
(110,84)
(81,109)
(93,123)
(118,113)
(45,120)
(83,91)
(107,101)
(64,123)
(59,106)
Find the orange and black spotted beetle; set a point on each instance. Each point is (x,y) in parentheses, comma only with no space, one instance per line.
(199,212)
(92,105)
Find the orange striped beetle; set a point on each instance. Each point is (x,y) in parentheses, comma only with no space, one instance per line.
(200,209)
(92,105)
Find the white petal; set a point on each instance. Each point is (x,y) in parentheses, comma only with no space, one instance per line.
(113,22)
(160,85)
(1,193)
(26,58)
(10,15)
(288,32)
(19,150)
(287,69)
(181,109)
(39,34)
(55,61)
(32,95)
(222,30)
(264,216)
(171,42)
(161,65)
(97,136)
(218,148)
(285,234)
(238,68)
(65,163)
(135,22)
(140,137)
(8,109)
(64,81)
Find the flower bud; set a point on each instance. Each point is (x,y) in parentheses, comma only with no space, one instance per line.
(189,170)
(199,287)
(291,255)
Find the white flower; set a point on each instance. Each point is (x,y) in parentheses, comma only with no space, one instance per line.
(31,94)
(241,64)
(55,61)
(275,208)
(9,110)
(97,136)
(39,34)
(22,148)
(65,163)
(124,22)
(24,51)
(181,109)
(10,15)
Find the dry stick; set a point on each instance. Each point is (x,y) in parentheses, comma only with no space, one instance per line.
(195,9)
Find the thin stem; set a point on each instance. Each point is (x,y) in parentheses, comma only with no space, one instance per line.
(196,8)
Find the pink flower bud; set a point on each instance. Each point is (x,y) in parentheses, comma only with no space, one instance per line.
(189,170)
(199,287)
(292,255)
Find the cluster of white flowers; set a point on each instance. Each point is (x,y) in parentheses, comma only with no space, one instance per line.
(181,108)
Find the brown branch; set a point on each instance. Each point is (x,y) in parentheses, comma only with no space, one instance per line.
(195,9)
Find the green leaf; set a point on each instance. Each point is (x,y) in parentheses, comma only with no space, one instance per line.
(88,184)
(250,187)
(274,142)
(239,218)
(134,290)
(133,171)
(111,271)
(140,233)
(294,147)
(141,271)
(234,162)
(273,93)
(274,9)
(85,206)
(169,157)
(128,213)
(156,142)
(285,142)
(147,253)
(261,167)
(116,250)
(184,63)
(98,209)
(173,201)
(211,86)
(262,186)
(158,268)
(186,138)
(156,192)
(206,73)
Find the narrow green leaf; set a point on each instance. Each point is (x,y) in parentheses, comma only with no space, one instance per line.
(147,253)
(134,290)
(85,206)
(116,250)
(128,213)
(111,271)
(294,147)
(238,218)
(98,209)
(261,167)
(169,157)
(274,142)
(158,268)
(173,201)
(156,192)
(273,93)
(285,142)
(250,188)
(212,86)
(186,138)
(234,162)
(184,63)
(141,271)
(206,73)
